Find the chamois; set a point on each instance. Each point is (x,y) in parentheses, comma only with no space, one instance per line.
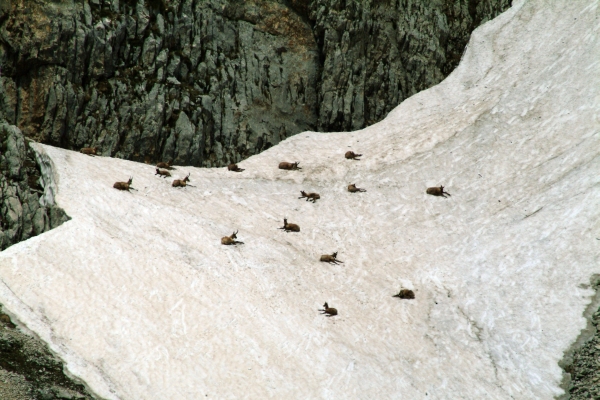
(229,240)
(289,227)
(165,165)
(162,172)
(124,185)
(182,182)
(311,196)
(350,155)
(437,191)
(5,319)
(405,294)
(234,168)
(90,151)
(328,310)
(353,189)
(289,166)
(331,259)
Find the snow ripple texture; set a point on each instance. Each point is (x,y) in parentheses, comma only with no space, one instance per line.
(139,297)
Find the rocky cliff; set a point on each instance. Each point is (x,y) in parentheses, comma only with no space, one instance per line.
(24,210)
(209,82)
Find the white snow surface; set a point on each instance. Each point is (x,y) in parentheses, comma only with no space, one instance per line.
(141,300)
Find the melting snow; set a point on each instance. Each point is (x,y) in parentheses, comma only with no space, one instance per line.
(138,295)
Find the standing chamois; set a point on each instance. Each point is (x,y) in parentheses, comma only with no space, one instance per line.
(328,310)
(311,196)
(234,168)
(289,227)
(229,240)
(90,151)
(353,189)
(181,182)
(165,165)
(350,155)
(331,259)
(437,191)
(162,172)
(124,185)
(289,166)
(405,294)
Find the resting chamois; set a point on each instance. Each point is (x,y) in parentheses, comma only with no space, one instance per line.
(234,168)
(289,166)
(311,196)
(162,172)
(437,191)
(328,310)
(124,185)
(229,240)
(182,182)
(289,227)
(165,165)
(353,189)
(331,259)
(405,294)
(90,151)
(350,155)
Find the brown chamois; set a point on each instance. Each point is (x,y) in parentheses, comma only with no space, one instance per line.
(353,189)
(5,319)
(165,165)
(162,172)
(289,227)
(437,191)
(350,155)
(405,294)
(182,182)
(289,166)
(331,259)
(90,151)
(229,240)
(124,185)
(234,168)
(328,310)
(311,196)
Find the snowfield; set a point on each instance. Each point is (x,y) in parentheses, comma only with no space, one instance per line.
(141,300)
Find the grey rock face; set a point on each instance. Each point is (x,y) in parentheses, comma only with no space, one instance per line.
(378,53)
(119,74)
(22,215)
(150,80)
(28,369)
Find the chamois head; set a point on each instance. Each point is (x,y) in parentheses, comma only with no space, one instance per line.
(405,294)
(350,155)
(234,168)
(165,165)
(181,182)
(310,196)
(353,189)
(437,191)
(328,310)
(229,240)
(162,172)
(289,166)
(331,259)
(124,185)
(289,227)
(90,151)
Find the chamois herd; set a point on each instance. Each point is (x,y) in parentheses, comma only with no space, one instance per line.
(163,168)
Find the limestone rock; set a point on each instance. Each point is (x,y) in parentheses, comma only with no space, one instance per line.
(21,214)
(271,69)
